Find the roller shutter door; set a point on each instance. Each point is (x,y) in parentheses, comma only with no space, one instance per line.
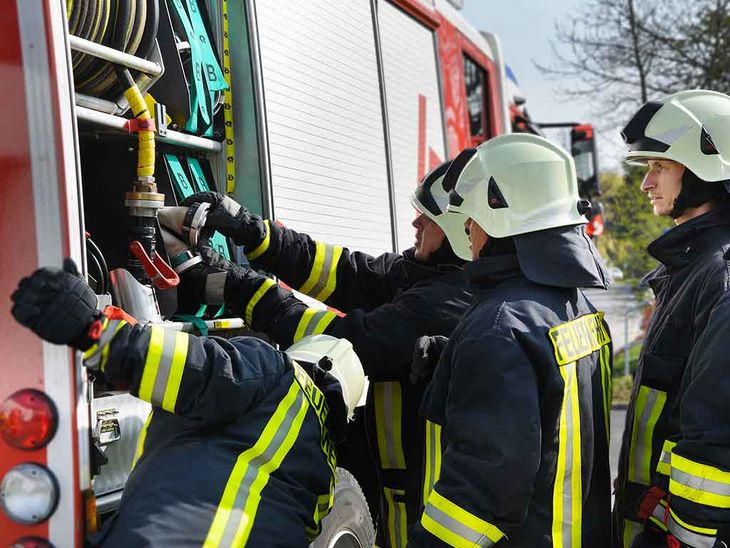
(325,121)
(414,107)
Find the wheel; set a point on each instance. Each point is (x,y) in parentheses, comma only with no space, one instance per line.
(348,525)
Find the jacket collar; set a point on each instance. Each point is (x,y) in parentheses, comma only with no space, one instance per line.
(678,246)
(416,270)
(489,271)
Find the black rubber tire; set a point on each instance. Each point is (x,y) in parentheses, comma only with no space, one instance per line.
(348,525)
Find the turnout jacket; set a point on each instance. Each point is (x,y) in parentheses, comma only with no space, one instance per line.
(690,279)
(389,302)
(699,503)
(518,410)
(235,451)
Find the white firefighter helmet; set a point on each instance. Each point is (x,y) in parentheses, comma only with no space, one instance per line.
(516,184)
(431,198)
(346,366)
(689,127)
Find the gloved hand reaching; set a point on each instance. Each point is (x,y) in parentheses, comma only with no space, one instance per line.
(205,212)
(426,353)
(57,305)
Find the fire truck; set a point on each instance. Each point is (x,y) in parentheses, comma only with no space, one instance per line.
(321,115)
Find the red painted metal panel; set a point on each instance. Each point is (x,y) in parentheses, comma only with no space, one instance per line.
(453,45)
(418,11)
(22,361)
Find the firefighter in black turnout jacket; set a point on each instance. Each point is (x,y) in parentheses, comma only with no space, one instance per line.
(685,141)
(239,448)
(389,302)
(518,406)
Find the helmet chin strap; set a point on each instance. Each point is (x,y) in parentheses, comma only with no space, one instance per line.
(694,193)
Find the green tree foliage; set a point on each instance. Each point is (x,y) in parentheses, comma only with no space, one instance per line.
(630,223)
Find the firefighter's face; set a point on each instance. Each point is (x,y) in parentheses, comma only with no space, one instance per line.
(429,236)
(663,183)
(477,237)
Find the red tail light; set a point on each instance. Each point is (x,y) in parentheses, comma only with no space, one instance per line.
(32,542)
(28,419)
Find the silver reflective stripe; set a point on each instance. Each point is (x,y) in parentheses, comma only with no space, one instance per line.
(313,321)
(704,485)
(106,338)
(163,370)
(388,422)
(321,283)
(665,458)
(641,473)
(215,284)
(695,540)
(659,512)
(397,508)
(458,528)
(253,468)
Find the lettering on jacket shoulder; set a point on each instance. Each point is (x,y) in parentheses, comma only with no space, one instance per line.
(578,338)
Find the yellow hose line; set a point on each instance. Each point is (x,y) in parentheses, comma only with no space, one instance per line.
(146,154)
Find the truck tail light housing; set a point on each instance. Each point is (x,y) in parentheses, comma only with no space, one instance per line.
(28,419)
(28,493)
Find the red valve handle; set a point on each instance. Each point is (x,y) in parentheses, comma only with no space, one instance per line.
(161,274)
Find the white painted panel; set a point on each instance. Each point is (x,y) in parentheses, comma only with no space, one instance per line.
(411,77)
(325,121)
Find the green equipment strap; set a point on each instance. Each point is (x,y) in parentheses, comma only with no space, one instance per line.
(199,324)
(208,77)
(183,188)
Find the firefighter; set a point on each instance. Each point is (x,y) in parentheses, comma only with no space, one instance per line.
(699,502)
(239,447)
(684,140)
(518,406)
(389,300)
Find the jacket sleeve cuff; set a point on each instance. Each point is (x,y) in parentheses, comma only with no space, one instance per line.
(456,526)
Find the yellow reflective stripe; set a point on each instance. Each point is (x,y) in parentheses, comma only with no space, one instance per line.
(237,508)
(152,362)
(141,439)
(631,531)
(172,388)
(388,418)
(649,405)
(567,490)
(663,466)
(163,369)
(325,318)
(108,345)
(432,470)
(397,522)
(263,288)
(95,347)
(457,526)
(331,283)
(322,278)
(263,246)
(607,384)
(693,528)
(314,274)
(313,322)
(307,316)
(700,483)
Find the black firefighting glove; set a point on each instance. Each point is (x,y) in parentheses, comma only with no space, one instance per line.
(332,392)
(205,212)
(426,354)
(204,275)
(57,305)
(652,536)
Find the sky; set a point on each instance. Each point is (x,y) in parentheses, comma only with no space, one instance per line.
(525,29)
